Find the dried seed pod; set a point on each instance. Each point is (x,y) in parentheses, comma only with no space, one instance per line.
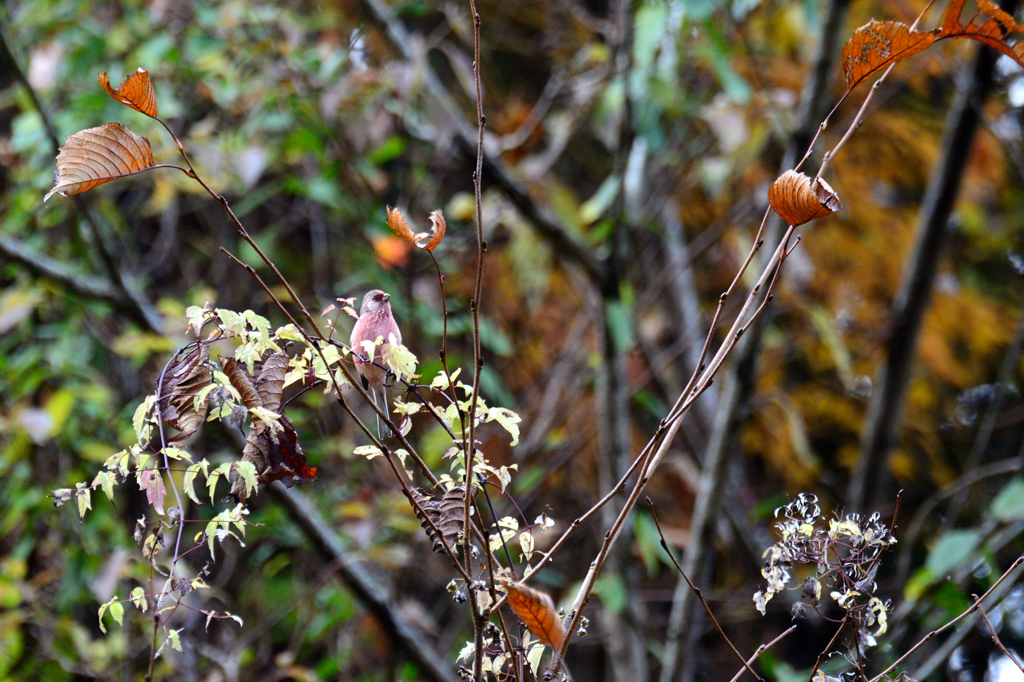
(797,202)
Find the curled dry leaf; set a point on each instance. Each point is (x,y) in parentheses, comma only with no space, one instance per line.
(241,380)
(537,611)
(878,44)
(187,375)
(796,203)
(94,156)
(396,221)
(273,449)
(446,512)
(135,92)
(991,31)
(437,230)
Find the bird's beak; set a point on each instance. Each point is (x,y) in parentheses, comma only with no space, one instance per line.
(387,297)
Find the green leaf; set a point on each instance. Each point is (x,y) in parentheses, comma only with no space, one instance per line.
(138,597)
(288,333)
(106,483)
(195,316)
(508,420)
(177,453)
(1009,503)
(141,421)
(175,638)
(190,477)
(211,479)
(594,207)
(612,591)
(84,495)
(103,609)
(953,549)
(117,612)
(247,470)
(233,322)
(258,323)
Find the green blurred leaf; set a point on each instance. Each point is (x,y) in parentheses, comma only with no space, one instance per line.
(951,550)
(1009,503)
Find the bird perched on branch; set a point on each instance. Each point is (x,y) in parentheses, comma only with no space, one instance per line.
(375,322)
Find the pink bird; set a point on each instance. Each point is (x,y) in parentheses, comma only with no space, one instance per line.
(375,321)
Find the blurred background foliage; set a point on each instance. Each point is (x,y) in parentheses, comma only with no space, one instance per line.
(312,118)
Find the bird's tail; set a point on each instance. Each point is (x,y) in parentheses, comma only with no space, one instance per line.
(383,430)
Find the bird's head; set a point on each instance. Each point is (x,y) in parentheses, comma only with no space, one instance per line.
(374,302)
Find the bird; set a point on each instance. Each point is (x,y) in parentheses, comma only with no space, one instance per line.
(375,321)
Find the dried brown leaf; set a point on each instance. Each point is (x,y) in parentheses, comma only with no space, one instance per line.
(276,455)
(270,374)
(447,513)
(135,92)
(275,452)
(242,382)
(796,203)
(437,230)
(184,379)
(94,156)
(991,31)
(537,611)
(396,221)
(878,44)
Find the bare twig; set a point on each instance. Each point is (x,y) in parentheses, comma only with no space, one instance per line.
(760,650)
(698,593)
(995,637)
(469,445)
(934,633)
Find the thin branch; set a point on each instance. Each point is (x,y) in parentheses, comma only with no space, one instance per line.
(995,637)
(934,633)
(469,444)
(698,593)
(760,650)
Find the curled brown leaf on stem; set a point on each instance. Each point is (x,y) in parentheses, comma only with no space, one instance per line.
(183,380)
(423,240)
(537,611)
(94,156)
(445,512)
(878,44)
(990,26)
(437,230)
(135,92)
(396,221)
(797,202)
(272,448)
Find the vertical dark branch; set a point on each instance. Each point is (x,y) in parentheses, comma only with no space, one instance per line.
(626,649)
(887,400)
(469,448)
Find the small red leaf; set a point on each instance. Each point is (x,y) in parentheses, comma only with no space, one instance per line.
(153,483)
